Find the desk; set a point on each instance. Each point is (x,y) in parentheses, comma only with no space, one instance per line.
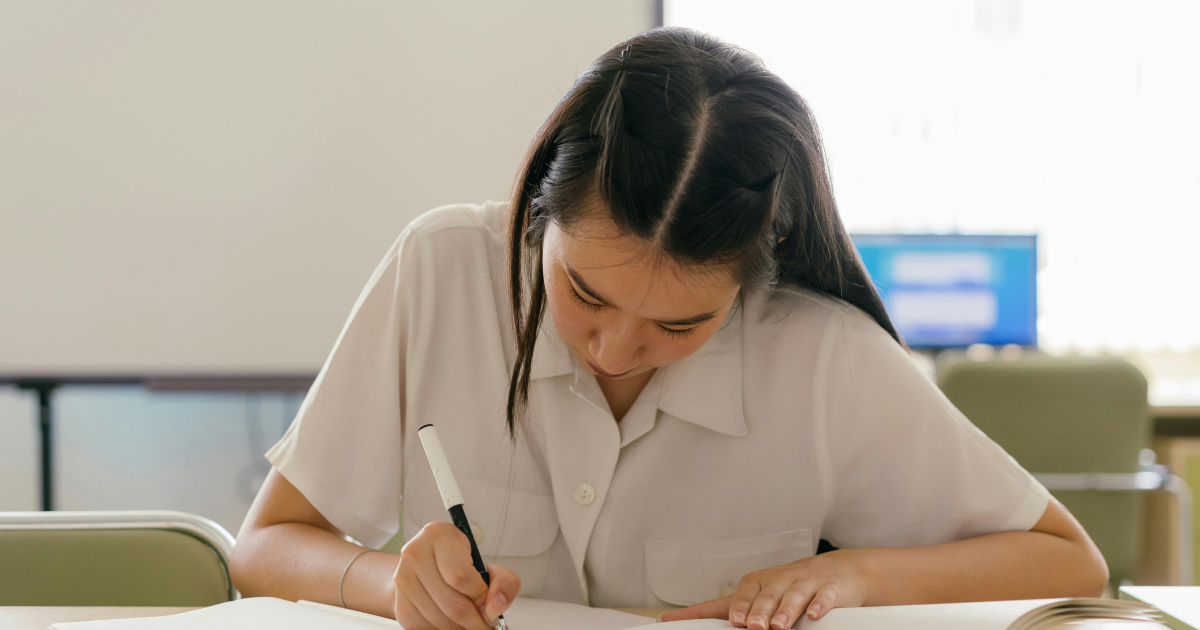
(40,617)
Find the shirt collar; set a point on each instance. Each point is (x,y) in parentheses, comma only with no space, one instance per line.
(705,388)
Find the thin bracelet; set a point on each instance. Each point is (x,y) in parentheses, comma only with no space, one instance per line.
(342,582)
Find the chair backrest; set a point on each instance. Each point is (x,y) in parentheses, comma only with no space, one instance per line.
(1066,416)
(113,559)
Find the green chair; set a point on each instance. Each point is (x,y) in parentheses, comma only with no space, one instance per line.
(151,558)
(1080,426)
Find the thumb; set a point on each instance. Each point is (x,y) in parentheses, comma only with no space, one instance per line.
(711,609)
(501,592)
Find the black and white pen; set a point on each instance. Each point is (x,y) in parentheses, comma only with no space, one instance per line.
(452,498)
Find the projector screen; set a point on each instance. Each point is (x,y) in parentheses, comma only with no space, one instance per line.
(203,188)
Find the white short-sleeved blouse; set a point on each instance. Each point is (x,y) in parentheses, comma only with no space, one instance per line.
(800,419)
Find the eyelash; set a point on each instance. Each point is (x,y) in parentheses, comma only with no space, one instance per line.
(588,306)
(678,334)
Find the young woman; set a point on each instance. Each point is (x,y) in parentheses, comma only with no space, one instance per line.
(662,377)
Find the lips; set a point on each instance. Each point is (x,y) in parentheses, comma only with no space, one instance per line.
(606,374)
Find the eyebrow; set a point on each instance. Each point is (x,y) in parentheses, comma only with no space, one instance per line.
(689,321)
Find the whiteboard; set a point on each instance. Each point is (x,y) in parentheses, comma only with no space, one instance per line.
(203,188)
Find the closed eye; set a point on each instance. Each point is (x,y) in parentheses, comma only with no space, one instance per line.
(674,333)
(678,333)
(588,306)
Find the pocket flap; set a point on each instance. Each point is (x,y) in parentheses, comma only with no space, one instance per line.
(504,522)
(686,572)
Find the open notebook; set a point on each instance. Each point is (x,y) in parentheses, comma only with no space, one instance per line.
(265,613)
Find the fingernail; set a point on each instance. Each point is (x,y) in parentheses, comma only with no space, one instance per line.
(497,605)
(757,621)
(779,620)
(738,617)
(813,611)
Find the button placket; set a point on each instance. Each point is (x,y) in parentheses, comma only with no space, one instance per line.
(583,445)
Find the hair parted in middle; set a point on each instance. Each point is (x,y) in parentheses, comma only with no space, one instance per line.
(695,148)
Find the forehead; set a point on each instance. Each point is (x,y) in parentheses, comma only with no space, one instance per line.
(633,275)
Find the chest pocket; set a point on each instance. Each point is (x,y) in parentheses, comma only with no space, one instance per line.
(504,522)
(686,572)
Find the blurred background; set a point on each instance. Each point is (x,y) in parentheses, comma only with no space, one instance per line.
(193,194)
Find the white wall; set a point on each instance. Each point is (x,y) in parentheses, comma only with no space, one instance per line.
(204,187)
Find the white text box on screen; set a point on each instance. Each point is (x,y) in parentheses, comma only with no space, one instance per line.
(966,309)
(939,268)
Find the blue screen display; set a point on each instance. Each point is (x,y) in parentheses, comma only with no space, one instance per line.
(954,290)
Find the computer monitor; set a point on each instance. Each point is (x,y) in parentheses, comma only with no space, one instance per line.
(954,290)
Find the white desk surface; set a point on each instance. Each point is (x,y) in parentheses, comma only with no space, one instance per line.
(40,617)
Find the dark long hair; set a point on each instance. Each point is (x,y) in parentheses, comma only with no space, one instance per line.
(696,148)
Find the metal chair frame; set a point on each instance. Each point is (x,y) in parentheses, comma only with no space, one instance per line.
(1157,478)
(198,527)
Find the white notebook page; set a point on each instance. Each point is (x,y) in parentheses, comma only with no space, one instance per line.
(973,616)
(255,613)
(540,614)
(266,613)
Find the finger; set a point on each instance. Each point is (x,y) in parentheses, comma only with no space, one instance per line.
(826,599)
(452,552)
(739,602)
(408,616)
(443,587)
(453,584)
(414,604)
(764,605)
(711,609)
(501,592)
(792,604)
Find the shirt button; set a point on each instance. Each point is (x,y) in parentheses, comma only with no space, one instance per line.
(585,494)
(728,588)
(477,532)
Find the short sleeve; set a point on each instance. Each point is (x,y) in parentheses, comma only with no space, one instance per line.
(344,451)
(908,469)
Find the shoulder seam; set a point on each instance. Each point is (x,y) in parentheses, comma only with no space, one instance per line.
(449,217)
(838,307)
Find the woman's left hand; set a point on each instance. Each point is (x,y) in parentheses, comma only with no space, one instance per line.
(775,598)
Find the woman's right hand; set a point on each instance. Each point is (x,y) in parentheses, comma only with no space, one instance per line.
(438,588)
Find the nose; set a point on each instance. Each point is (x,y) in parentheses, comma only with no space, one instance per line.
(615,349)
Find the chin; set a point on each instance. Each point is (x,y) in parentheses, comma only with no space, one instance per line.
(629,374)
